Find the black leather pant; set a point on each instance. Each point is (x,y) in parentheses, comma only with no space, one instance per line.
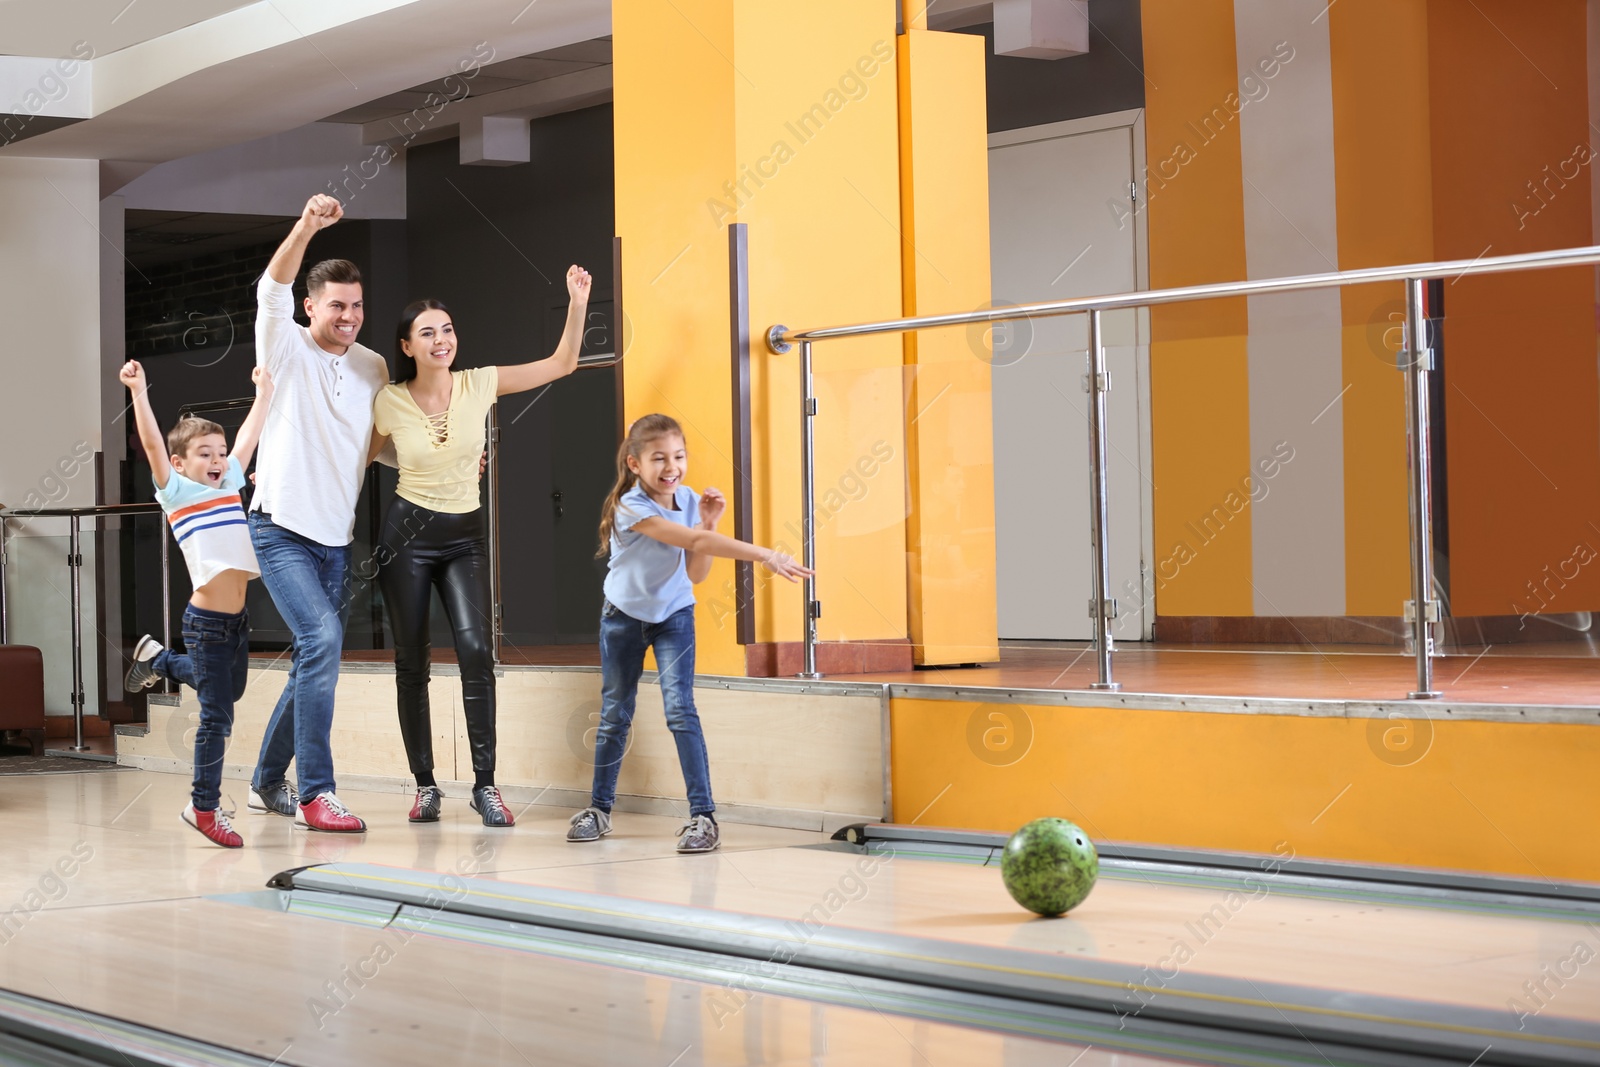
(423,550)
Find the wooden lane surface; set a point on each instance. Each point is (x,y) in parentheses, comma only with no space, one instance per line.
(114,836)
(101,907)
(316,992)
(139,851)
(86,852)
(1417,953)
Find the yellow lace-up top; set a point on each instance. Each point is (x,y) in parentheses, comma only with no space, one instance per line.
(438,452)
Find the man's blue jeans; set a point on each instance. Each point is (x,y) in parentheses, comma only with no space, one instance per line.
(623,640)
(309,587)
(216,666)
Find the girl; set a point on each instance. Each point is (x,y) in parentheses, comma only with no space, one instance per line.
(434,535)
(661,537)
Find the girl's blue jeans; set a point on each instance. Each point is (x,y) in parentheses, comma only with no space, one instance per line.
(623,641)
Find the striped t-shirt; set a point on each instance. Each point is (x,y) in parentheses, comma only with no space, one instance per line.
(209,525)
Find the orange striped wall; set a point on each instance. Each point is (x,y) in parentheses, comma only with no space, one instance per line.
(1200,410)
(1509,89)
(1384,178)
(1444,112)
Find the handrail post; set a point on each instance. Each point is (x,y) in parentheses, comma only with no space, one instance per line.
(5,605)
(492,472)
(1102,606)
(1422,610)
(75,564)
(167,688)
(808,413)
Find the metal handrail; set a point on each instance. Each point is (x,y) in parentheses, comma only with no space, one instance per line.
(94,510)
(780,337)
(75,565)
(237,404)
(1416,360)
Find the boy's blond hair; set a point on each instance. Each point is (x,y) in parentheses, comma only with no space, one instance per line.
(181,436)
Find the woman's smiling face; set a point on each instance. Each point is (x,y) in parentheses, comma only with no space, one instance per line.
(433,339)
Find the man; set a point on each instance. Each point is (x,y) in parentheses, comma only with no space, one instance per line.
(309,469)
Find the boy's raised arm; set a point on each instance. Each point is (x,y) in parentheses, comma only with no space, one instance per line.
(249,435)
(144,417)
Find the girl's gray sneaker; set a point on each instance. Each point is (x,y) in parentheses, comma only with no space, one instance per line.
(590,824)
(699,835)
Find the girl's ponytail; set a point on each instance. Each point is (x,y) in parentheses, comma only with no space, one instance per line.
(644,429)
(608,510)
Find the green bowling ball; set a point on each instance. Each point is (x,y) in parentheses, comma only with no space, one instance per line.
(1049,866)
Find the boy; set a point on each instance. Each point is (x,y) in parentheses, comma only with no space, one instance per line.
(197,486)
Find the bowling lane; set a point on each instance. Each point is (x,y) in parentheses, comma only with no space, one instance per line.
(110,836)
(1413,952)
(299,990)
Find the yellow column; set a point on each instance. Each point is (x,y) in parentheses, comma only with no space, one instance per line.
(944,217)
(784,117)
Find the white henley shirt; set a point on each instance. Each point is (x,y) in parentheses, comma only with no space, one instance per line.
(313,450)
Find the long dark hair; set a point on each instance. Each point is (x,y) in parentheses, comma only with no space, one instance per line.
(645,429)
(405,368)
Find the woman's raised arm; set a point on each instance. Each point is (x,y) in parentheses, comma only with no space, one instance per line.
(520,377)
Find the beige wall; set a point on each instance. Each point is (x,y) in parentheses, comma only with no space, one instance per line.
(780,756)
(49,393)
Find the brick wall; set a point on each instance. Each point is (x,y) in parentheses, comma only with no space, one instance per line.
(199,305)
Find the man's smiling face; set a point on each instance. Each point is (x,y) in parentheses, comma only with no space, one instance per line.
(335,311)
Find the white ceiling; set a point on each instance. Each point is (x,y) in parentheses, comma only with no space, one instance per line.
(262,68)
(493,78)
(51,28)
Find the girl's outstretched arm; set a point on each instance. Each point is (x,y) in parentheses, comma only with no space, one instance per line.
(711,543)
(249,435)
(523,376)
(698,564)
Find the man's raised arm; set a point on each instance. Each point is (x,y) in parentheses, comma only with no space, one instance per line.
(274,297)
(321,211)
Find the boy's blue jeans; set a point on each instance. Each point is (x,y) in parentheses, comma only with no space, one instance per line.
(307,581)
(216,667)
(623,640)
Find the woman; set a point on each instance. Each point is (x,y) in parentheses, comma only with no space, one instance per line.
(434,535)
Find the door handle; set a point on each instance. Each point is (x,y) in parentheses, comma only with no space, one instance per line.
(555,499)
